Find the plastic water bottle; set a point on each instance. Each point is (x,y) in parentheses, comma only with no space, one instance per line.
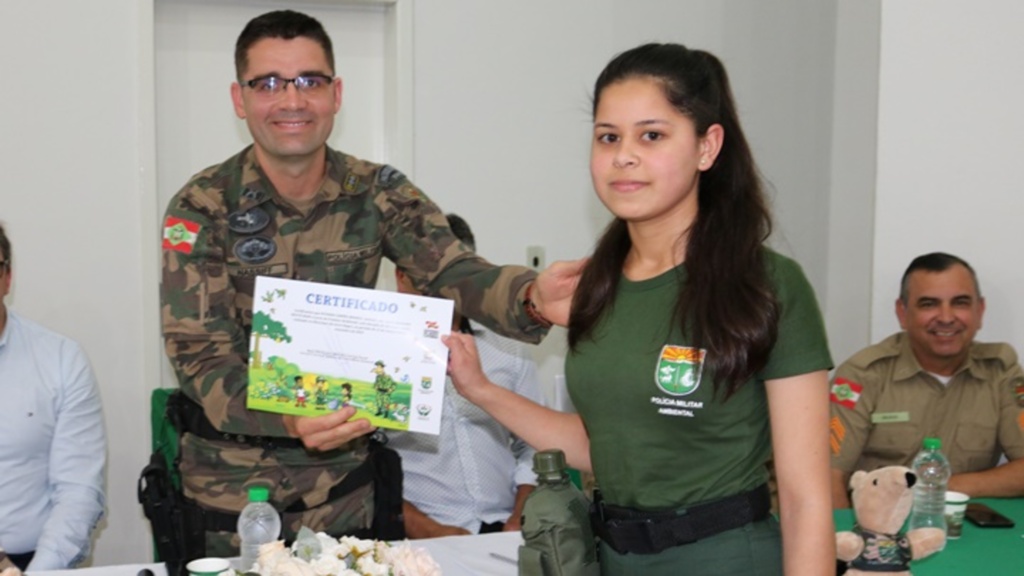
(558,540)
(932,470)
(258,524)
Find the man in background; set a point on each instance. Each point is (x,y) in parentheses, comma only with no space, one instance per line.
(52,445)
(474,476)
(932,380)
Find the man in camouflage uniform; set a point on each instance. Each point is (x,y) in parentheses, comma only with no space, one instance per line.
(289,206)
(932,380)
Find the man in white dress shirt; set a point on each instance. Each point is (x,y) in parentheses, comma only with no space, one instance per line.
(475,475)
(52,445)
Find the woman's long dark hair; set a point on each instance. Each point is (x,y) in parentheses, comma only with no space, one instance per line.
(727,304)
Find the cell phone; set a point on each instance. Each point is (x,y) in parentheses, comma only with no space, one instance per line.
(985,517)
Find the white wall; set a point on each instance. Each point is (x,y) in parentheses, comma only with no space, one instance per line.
(70,180)
(847,300)
(501,135)
(950,139)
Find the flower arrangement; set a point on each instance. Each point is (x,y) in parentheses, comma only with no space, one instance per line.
(321,555)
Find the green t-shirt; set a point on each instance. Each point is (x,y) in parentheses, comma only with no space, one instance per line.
(659,436)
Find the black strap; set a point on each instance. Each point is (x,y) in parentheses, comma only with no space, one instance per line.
(192,419)
(21,560)
(628,530)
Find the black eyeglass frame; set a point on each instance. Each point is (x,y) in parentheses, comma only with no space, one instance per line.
(300,82)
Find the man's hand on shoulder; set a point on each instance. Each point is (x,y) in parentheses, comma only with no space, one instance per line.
(329,431)
(554,288)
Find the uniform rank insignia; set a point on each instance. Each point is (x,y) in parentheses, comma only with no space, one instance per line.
(388,175)
(255,249)
(351,181)
(845,392)
(679,369)
(180,234)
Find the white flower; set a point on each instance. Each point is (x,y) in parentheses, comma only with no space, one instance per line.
(293,567)
(408,561)
(359,547)
(369,567)
(326,565)
(345,557)
(337,549)
(270,555)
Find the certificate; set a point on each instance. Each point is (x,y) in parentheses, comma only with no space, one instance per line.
(316,348)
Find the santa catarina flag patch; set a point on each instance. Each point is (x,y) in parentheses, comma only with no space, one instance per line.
(180,234)
(845,392)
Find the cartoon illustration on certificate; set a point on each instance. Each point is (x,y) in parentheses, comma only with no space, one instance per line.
(316,348)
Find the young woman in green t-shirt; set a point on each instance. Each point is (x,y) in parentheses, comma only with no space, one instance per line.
(696,353)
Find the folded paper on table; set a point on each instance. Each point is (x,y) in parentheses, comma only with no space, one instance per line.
(316,348)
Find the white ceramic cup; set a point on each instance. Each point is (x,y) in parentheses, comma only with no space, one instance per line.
(207,567)
(956,503)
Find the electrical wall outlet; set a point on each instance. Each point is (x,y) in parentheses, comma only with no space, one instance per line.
(535,257)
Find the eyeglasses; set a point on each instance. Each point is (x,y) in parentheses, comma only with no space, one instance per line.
(272,85)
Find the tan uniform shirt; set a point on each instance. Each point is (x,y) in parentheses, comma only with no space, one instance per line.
(884,405)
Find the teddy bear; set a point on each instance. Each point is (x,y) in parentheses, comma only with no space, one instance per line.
(882,500)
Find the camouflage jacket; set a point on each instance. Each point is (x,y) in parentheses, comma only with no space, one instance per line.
(228,225)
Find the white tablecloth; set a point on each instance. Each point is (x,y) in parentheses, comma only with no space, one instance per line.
(483,555)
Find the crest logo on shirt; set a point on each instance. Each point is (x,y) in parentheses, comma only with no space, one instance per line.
(679,369)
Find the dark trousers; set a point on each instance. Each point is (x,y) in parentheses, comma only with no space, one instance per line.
(22,560)
(487,528)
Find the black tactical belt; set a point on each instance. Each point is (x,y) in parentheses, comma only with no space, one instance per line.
(628,530)
(194,421)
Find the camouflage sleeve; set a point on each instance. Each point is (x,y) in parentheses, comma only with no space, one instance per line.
(204,340)
(420,243)
(850,422)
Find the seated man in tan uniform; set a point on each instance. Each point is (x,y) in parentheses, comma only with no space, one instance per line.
(932,379)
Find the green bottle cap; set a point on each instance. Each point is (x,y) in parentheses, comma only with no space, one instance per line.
(549,465)
(259,494)
(932,443)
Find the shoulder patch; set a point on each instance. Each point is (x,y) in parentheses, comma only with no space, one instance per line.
(388,175)
(180,235)
(845,392)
